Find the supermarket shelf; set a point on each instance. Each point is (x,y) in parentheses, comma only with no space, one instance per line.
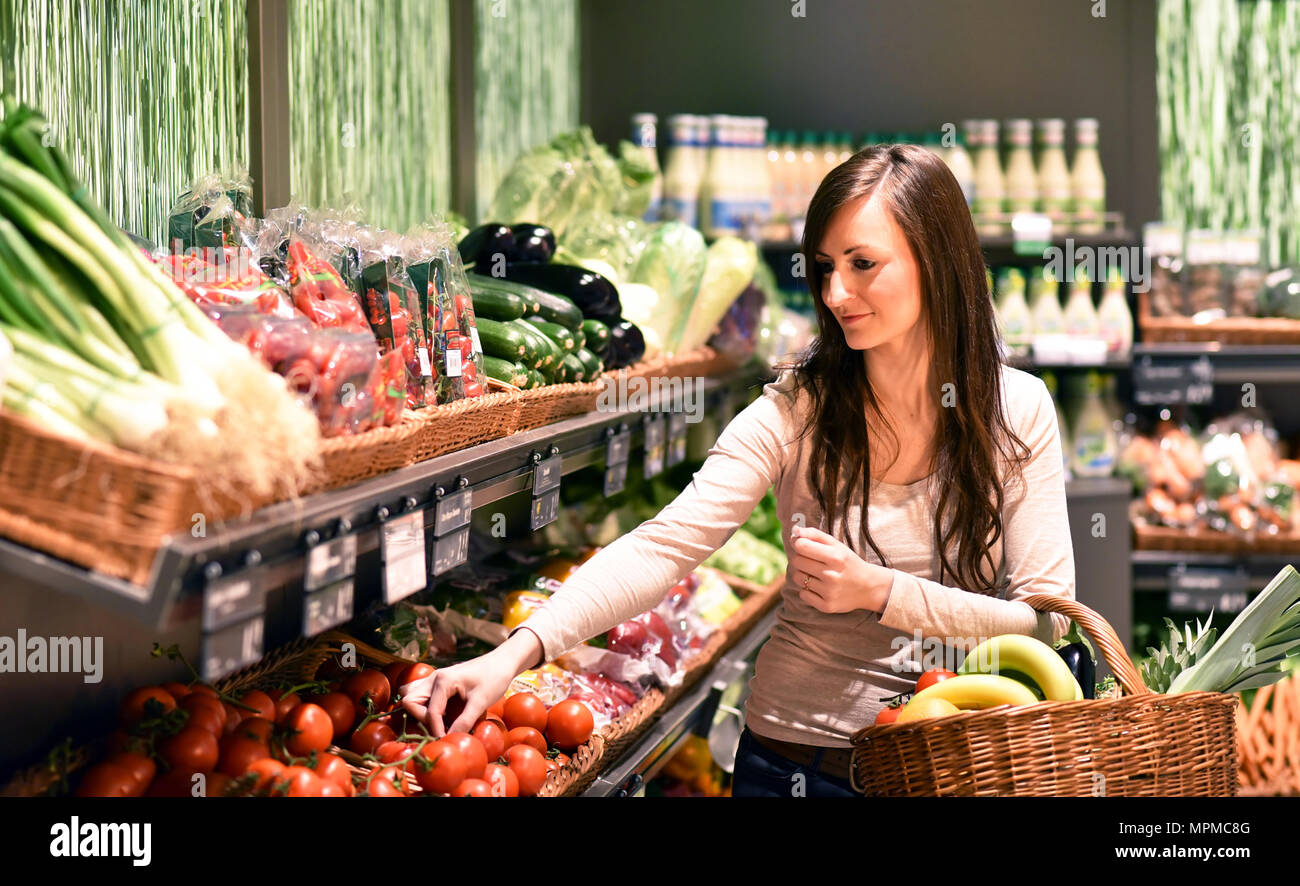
(1231,364)
(270,547)
(1148,561)
(1029,364)
(643,760)
(1082,488)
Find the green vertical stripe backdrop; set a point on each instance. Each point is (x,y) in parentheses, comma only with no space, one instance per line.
(143,95)
(371,107)
(525,81)
(1228,84)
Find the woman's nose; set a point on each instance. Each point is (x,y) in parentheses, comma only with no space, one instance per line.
(835,291)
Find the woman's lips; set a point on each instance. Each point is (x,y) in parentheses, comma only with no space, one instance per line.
(853,318)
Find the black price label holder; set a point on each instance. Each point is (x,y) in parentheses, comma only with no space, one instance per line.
(618,451)
(402,553)
(452,514)
(328,580)
(328,607)
(675,454)
(1171,382)
(1198,589)
(545,506)
(655,430)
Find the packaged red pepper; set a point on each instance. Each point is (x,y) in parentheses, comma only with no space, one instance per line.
(319,292)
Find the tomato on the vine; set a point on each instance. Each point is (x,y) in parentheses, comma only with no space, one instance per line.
(108,780)
(238,752)
(526,735)
(529,767)
(141,766)
(191,750)
(341,710)
(381,784)
(267,770)
(472,787)
(284,703)
(370,736)
(476,757)
(446,767)
(302,781)
(493,737)
(256,728)
(503,780)
(309,729)
(205,712)
(368,684)
(525,709)
(264,704)
(151,701)
(569,724)
(332,768)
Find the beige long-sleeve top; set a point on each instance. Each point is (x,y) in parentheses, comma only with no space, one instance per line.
(822,676)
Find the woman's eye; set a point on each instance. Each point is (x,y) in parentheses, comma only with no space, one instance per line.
(825,268)
(863,264)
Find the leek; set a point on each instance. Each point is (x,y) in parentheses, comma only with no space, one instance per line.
(1251,652)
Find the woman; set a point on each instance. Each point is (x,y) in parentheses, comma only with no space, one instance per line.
(919,483)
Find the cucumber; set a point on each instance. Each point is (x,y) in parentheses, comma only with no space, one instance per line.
(497,305)
(540,351)
(483,283)
(502,340)
(556,333)
(558,309)
(508,371)
(579,338)
(535,379)
(597,334)
(574,368)
(590,362)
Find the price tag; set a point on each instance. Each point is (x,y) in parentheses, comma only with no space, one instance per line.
(331,561)
(654,446)
(545,509)
(546,475)
(615,478)
(401,542)
(1170,382)
(450,551)
(1031,233)
(453,362)
(676,451)
(478,345)
(1203,590)
(426,369)
(230,599)
(231,648)
(327,608)
(619,448)
(453,511)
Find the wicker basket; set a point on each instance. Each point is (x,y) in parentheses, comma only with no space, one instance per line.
(703,361)
(1162,538)
(552,403)
(1140,745)
(1228,331)
(443,429)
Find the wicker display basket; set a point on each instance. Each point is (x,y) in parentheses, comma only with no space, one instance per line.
(703,361)
(1162,538)
(1142,744)
(552,403)
(1227,331)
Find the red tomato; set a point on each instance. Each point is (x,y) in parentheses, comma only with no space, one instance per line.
(302,781)
(331,789)
(267,771)
(216,784)
(191,750)
(284,703)
(446,769)
(381,784)
(309,729)
(108,780)
(342,712)
(332,768)
(498,710)
(238,752)
(887,715)
(264,704)
(524,709)
(395,752)
(412,672)
(176,690)
(176,784)
(204,689)
(369,737)
(234,716)
(503,780)
(369,684)
(205,712)
(569,724)
(473,787)
(256,728)
(526,735)
(476,757)
(561,760)
(930,677)
(141,766)
(493,736)
(393,673)
(152,701)
(529,767)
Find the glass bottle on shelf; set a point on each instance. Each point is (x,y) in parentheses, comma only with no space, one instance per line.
(1014,318)
(1096,444)
(959,162)
(1045,304)
(1021,180)
(1053,172)
(1080,314)
(1087,182)
(682,178)
(990,188)
(644,136)
(1114,317)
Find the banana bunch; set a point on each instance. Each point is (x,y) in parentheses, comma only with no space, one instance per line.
(1012,669)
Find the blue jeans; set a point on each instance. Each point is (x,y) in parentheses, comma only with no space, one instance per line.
(761,772)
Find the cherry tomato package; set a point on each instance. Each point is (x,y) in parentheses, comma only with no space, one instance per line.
(392,309)
(212,213)
(319,292)
(449,313)
(331,370)
(224,276)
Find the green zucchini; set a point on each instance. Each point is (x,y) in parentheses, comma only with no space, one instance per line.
(507,371)
(558,309)
(502,340)
(579,338)
(597,334)
(534,379)
(574,368)
(498,305)
(556,333)
(540,350)
(590,362)
(527,294)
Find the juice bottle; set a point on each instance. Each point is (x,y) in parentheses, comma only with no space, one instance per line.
(1053,173)
(644,137)
(1096,445)
(959,162)
(682,179)
(1114,317)
(1021,179)
(1014,318)
(1087,183)
(1080,314)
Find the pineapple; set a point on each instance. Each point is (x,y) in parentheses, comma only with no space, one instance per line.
(1179,653)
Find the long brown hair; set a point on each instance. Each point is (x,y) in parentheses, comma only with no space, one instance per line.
(973,440)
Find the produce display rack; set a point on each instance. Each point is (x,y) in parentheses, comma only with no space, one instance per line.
(1229,364)
(692,712)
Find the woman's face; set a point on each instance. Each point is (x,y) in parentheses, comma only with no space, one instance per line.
(870,281)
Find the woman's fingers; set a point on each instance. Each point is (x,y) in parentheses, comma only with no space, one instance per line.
(815,548)
(415,698)
(444,687)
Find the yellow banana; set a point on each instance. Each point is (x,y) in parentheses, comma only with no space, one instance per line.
(1033,658)
(978,691)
